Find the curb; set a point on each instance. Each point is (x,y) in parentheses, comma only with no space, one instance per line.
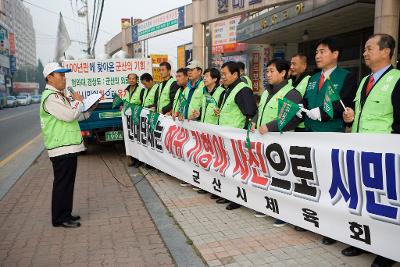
(174,238)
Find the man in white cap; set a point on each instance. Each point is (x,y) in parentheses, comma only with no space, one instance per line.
(63,141)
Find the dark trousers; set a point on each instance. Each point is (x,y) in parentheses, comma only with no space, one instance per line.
(64,168)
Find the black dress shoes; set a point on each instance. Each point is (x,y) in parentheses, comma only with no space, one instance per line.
(233,206)
(328,241)
(222,201)
(352,251)
(75,218)
(382,262)
(68,224)
(214,196)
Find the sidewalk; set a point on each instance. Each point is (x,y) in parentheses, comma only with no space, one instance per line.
(238,238)
(116,228)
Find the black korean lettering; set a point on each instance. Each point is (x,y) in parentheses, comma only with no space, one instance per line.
(360,232)
(311,216)
(196,177)
(241,194)
(217,184)
(272,204)
(276,157)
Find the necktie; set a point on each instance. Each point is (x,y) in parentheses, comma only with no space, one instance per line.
(370,84)
(321,82)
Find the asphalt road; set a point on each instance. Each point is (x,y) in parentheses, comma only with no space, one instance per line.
(17,127)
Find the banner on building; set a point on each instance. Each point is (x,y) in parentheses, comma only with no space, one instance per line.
(181,56)
(344,186)
(156,59)
(167,22)
(109,76)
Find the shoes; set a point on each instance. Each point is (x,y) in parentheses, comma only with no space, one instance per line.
(328,241)
(196,188)
(352,251)
(260,214)
(279,223)
(233,206)
(185,184)
(75,218)
(380,261)
(68,224)
(137,164)
(222,200)
(299,229)
(201,191)
(214,196)
(129,161)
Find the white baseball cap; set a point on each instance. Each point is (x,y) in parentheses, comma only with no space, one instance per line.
(193,64)
(54,67)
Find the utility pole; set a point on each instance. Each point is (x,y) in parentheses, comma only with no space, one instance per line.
(82,13)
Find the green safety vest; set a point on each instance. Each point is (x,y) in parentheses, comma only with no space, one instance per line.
(133,98)
(197,97)
(268,111)
(57,133)
(301,88)
(207,109)
(316,99)
(248,81)
(149,96)
(163,94)
(176,105)
(230,114)
(376,116)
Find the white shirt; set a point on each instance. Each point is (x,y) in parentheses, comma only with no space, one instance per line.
(328,72)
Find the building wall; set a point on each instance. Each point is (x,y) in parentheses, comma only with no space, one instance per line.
(18,19)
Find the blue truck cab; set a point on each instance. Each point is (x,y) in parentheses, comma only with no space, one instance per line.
(103,125)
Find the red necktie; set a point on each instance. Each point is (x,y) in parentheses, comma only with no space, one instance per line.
(321,81)
(370,84)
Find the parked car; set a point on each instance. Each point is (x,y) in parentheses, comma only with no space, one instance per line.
(29,97)
(11,101)
(36,99)
(22,100)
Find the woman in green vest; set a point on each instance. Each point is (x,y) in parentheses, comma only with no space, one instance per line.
(150,91)
(279,87)
(266,118)
(213,95)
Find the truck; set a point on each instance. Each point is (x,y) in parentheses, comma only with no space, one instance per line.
(108,77)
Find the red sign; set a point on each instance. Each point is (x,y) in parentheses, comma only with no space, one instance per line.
(229,48)
(11,40)
(255,71)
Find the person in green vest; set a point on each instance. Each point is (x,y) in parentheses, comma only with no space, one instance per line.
(133,94)
(377,103)
(150,91)
(266,118)
(243,75)
(344,82)
(194,91)
(237,108)
(299,79)
(182,81)
(63,141)
(166,90)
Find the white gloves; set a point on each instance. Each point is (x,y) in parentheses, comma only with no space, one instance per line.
(314,114)
(298,114)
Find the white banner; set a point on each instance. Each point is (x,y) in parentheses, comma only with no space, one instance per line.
(109,76)
(344,186)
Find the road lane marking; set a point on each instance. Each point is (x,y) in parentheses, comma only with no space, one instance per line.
(15,115)
(19,150)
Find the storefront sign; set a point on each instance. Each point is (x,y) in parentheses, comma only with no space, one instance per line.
(181,56)
(164,23)
(11,39)
(255,71)
(343,186)
(156,60)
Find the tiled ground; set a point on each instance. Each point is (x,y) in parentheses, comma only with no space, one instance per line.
(116,228)
(238,238)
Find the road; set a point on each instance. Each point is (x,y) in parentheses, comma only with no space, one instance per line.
(18,126)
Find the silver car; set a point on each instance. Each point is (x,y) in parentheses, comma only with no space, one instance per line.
(22,100)
(11,101)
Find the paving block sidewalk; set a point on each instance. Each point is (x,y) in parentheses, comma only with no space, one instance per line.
(116,227)
(238,238)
